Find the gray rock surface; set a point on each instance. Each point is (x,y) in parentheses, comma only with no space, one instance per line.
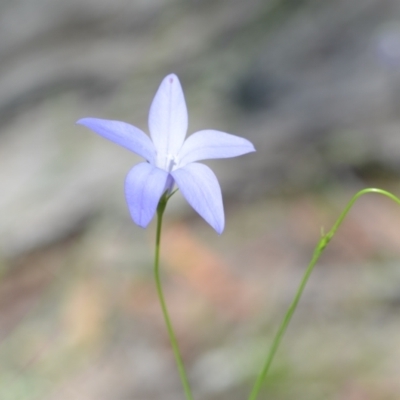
(315,87)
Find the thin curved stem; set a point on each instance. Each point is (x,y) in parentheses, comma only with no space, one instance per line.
(323,242)
(171,334)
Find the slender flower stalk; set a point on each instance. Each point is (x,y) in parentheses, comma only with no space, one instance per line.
(181,369)
(323,242)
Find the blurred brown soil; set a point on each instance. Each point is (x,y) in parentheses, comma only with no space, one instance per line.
(214,285)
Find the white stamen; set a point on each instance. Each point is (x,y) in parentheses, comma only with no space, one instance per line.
(171,161)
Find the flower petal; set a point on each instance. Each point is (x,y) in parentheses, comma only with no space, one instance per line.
(201,189)
(144,185)
(123,134)
(168,119)
(208,144)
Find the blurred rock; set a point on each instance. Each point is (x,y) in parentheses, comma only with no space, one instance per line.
(321,80)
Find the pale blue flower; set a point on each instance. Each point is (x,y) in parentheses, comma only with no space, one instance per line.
(170,158)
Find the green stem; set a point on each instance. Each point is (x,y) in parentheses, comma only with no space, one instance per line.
(323,242)
(172,338)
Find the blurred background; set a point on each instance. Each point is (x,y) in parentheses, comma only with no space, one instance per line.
(314,85)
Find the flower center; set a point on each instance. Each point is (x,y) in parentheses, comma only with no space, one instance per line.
(171,161)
